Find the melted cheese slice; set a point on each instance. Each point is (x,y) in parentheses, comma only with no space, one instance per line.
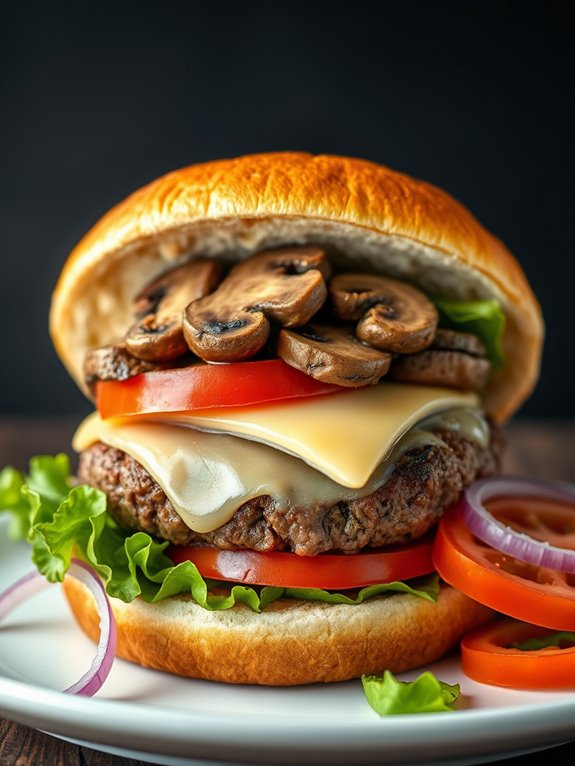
(345,436)
(208,476)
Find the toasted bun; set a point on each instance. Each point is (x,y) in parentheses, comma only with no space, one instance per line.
(291,642)
(367,216)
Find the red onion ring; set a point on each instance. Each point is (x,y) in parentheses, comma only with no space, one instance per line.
(501,537)
(34,582)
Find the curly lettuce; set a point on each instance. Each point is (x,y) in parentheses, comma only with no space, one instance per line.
(482,318)
(60,520)
(388,696)
(559,640)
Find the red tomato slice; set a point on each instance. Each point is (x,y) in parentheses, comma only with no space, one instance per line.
(203,386)
(545,519)
(330,571)
(488,656)
(534,594)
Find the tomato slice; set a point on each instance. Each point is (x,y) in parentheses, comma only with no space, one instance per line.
(203,386)
(543,518)
(534,594)
(488,655)
(329,571)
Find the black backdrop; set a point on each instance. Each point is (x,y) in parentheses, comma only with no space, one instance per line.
(96,100)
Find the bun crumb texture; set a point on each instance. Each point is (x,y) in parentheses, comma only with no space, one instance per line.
(368,218)
(290,643)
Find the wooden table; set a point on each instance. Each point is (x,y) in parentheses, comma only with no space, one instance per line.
(535,448)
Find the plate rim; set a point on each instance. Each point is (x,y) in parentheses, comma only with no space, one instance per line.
(116,722)
(164,730)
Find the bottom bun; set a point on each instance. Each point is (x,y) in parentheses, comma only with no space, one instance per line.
(292,642)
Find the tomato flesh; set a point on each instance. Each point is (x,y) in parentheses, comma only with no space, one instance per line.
(533,594)
(329,571)
(204,386)
(488,656)
(545,519)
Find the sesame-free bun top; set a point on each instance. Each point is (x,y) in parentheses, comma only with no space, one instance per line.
(368,217)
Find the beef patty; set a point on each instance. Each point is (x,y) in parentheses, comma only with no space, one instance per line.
(424,482)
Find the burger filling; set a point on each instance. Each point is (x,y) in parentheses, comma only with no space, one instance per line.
(424,480)
(243,481)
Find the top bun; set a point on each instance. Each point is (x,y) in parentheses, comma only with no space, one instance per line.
(367,217)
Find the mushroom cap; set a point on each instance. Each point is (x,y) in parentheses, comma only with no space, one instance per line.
(368,218)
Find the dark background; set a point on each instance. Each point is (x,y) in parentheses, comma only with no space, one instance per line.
(476,97)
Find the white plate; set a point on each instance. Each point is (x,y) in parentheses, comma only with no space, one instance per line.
(155,716)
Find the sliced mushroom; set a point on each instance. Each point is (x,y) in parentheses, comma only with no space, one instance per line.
(113,363)
(158,334)
(453,340)
(437,367)
(333,355)
(286,286)
(393,316)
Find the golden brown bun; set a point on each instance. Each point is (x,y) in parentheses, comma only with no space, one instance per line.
(291,642)
(369,217)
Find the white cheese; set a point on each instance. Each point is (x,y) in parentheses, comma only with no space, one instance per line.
(207,476)
(345,436)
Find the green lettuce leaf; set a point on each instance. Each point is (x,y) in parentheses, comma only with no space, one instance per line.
(60,520)
(388,696)
(561,639)
(426,587)
(482,318)
(12,499)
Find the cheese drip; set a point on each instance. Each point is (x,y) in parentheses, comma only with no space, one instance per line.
(208,476)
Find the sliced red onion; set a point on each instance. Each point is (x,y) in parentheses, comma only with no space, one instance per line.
(21,590)
(507,540)
(106,651)
(34,582)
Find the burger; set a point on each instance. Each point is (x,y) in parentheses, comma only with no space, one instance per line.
(298,363)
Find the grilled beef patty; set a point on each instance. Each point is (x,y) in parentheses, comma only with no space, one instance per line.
(425,481)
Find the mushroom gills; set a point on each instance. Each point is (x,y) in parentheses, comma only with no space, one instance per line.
(274,302)
(158,333)
(391,316)
(285,286)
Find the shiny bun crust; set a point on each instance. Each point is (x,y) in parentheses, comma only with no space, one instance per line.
(291,642)
(367,216)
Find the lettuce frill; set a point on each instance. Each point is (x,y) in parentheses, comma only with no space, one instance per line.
(59,520)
